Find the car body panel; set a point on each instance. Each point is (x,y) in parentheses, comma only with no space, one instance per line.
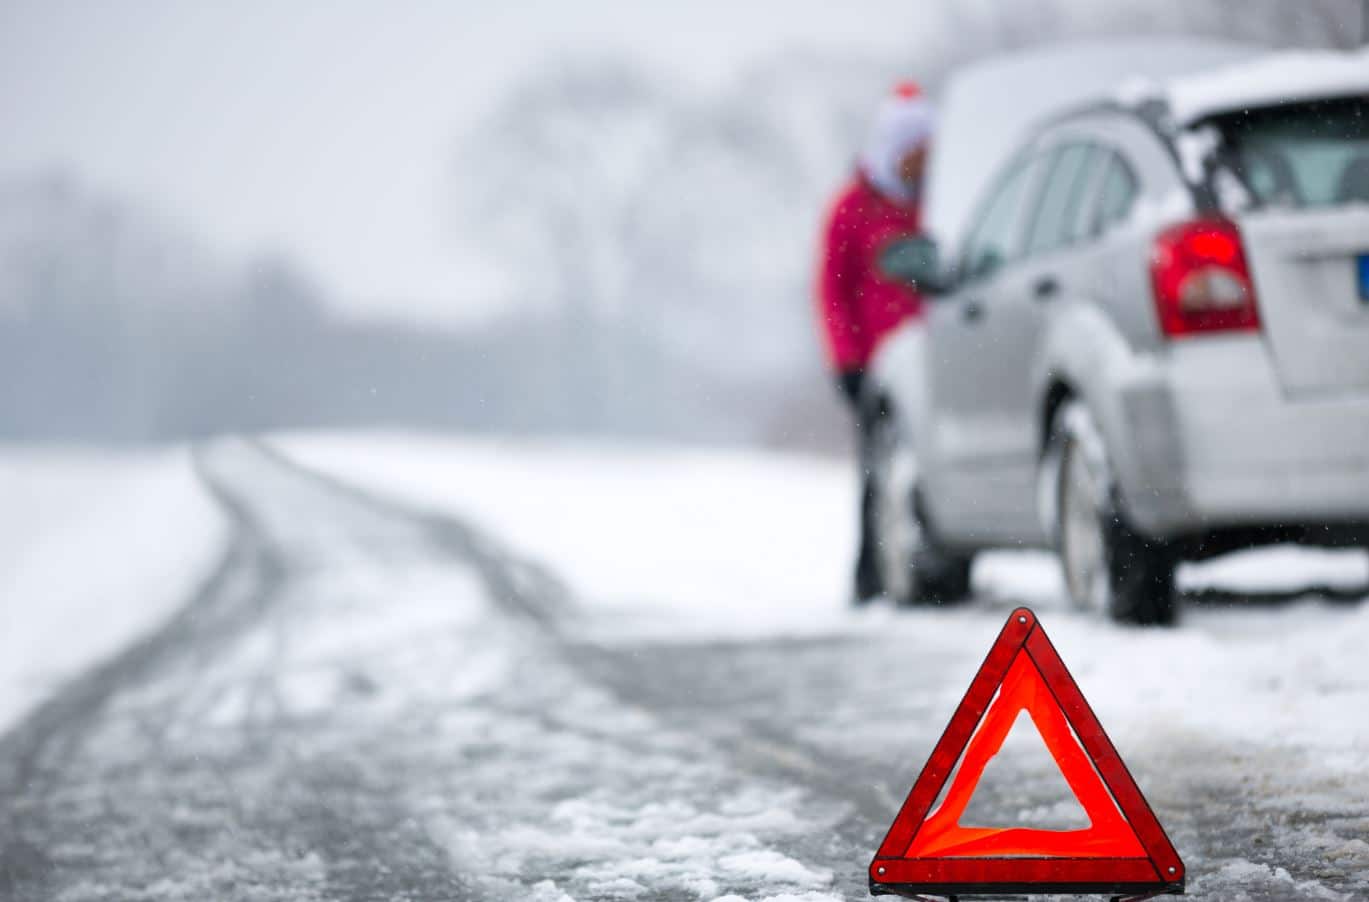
(1305,267)
(1203,436)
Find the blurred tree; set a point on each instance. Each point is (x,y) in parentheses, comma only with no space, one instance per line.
(547,182)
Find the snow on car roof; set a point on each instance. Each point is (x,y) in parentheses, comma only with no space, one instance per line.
(1271,79)
(988,107)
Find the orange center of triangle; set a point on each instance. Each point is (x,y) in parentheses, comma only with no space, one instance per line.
(1108,834)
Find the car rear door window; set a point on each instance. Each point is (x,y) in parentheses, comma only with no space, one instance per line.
(1116,191)
(996,236)
(1301,155)
(1058,200)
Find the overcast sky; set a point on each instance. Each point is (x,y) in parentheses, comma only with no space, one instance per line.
(324,128)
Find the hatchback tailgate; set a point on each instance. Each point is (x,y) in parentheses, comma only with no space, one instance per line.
(1314,305)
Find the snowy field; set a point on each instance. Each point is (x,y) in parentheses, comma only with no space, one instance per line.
(511,670)
(96,549)
(720,543)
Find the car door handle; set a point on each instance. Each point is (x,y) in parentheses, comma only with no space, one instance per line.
(1046,288)
(972,311)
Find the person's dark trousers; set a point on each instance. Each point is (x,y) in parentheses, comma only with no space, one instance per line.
(868,413)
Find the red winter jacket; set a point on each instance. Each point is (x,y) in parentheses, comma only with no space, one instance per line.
(857,306)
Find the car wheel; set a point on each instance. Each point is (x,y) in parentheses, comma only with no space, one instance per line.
(914,569)
(1109,568)
(939,576)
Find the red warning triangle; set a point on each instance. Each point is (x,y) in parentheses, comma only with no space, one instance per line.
(1122,850)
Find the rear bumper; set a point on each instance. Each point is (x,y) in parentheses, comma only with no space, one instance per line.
(1208,441)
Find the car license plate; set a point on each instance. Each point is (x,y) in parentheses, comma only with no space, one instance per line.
(1364,278)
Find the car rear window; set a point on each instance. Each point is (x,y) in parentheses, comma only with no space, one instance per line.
(1300,155)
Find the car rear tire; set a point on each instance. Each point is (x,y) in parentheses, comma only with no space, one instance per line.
(914,569)
(939,576)
(1109,568)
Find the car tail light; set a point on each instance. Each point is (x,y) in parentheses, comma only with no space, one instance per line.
(1201,280)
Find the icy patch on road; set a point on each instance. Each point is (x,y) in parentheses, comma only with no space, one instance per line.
(769,866)
(96,549)
(256,877)
(606,849)
(547,891)
(1244,880)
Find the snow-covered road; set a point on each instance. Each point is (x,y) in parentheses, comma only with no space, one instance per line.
(380,699)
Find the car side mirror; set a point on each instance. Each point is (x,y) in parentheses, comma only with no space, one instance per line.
(915,262)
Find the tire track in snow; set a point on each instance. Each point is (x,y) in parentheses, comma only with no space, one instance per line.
(75,814)
(524,588)
(761,746)
(35,752)
(531,591)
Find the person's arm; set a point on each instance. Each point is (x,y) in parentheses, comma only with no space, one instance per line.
(838,278)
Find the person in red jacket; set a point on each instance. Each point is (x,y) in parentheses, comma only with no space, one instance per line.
(857,306)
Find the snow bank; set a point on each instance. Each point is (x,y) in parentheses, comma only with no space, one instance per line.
(96,548)
(737,541)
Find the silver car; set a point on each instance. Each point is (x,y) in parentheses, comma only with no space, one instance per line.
(1153,344)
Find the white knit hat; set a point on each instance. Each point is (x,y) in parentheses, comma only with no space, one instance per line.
(904,121)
